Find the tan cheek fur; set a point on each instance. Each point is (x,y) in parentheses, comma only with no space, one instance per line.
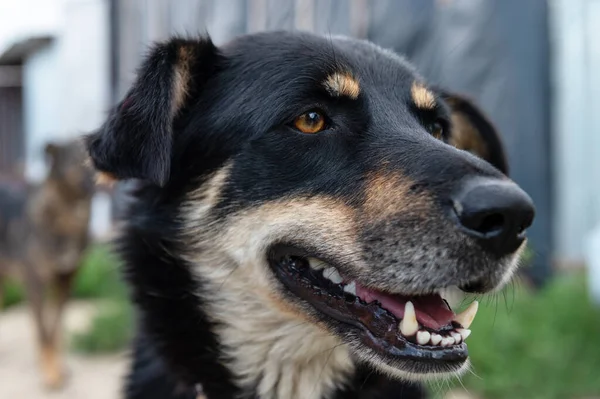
(266,338)
(389,193)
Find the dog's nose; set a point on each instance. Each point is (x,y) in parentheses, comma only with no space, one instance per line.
(497,212)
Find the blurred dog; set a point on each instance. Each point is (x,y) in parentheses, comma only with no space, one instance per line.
(300,203)
(43,233)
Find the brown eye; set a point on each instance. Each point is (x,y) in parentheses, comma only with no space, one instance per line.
(437,130)
(310,122)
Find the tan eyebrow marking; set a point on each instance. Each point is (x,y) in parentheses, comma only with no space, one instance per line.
(422,96)
(342,84)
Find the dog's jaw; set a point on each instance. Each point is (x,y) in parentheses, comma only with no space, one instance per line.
(271,345)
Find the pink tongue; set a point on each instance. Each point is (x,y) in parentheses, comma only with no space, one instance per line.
(431,310)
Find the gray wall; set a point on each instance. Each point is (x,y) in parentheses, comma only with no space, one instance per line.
(495,51)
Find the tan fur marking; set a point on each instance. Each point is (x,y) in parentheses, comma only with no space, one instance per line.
(181,78)
(422,96)
(105,179)
(389,193)
(51,366)
(466,137)
(207,195)
(342,84)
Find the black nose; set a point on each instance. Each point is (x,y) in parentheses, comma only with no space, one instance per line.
(495,211)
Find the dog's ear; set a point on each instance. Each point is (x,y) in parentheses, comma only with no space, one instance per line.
(472,131)
(136,140)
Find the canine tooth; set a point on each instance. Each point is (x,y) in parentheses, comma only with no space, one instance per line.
(350,288)
(423,337)
(465,318)
(436,339)
(464,333)
(457,337)
(332,274)
(447,341)
(316,264)
(409,325)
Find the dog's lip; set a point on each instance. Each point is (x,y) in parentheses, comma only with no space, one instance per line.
(390,345)
(377,328)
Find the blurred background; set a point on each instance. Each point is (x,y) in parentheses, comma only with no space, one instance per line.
(531,64)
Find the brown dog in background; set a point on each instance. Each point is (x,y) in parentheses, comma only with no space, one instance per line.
(43,233)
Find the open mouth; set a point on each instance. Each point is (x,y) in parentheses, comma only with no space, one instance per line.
(409,329)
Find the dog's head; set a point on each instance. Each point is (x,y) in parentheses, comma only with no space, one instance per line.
(66,163)
(332,180)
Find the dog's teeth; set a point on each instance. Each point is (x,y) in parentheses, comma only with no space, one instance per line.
(350,288)
(464,333)
(465,318)
(423,337)
(447,341)
(436,339)
(457,337)
(332,274)
(409,325)
(316,264)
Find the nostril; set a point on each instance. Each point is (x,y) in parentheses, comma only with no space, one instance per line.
(491,224)
(486,224)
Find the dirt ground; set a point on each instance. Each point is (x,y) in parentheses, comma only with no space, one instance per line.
(89,377)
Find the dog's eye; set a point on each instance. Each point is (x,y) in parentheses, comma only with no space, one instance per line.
(310,122)
(437,129)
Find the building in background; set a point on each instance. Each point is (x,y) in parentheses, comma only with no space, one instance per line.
(54,81)
(529,64)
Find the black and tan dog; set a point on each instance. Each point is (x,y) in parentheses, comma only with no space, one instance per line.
(299,203)
(43,233)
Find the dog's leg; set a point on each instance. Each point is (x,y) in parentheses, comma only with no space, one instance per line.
(59,292)
(36,295)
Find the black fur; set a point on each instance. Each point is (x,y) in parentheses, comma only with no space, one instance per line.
(145,117)
(149,377)
(239,103)
(163,289)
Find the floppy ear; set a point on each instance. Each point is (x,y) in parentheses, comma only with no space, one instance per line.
(472,131)
(136,140)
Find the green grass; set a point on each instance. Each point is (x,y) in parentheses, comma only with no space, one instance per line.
(537,346)
(110,330)
(12,292)
(99,275)
(112,327)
